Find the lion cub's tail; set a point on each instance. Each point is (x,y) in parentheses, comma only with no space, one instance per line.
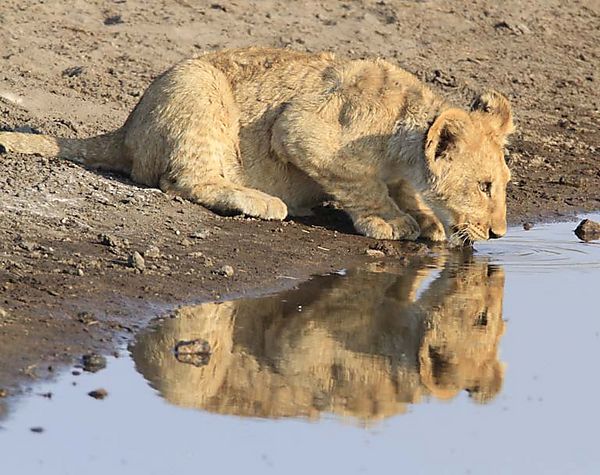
(103,151)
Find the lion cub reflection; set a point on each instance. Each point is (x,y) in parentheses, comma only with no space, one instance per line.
(363,345)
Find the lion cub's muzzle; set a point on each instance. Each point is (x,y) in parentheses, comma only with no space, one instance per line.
(493,235)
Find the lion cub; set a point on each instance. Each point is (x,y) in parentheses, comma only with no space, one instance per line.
(274,132)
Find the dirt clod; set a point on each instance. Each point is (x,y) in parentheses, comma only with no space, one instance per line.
(93,363)
(3,393)
(588,230)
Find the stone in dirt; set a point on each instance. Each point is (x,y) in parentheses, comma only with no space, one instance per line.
(73,71)
(28,245)
(527,226)
(384,247)
(86,318)
(374,253)
(98,393)
(93,362)
(202,234)
(3,393)
(152,252)
(108,240)
(588,230)
(226,271)
(113,20)
(195,352)
(136,261)
(37,430)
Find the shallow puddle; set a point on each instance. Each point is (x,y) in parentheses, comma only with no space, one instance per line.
(466,363)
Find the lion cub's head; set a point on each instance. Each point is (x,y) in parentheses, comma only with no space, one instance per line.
(464,152)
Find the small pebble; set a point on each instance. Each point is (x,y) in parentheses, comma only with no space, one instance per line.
(136,261)
(73,71)
(588,230)
(527,226)
(86,318)
(374,253)
(93,362)
(108,240)
(113,20)
(98,393)
(226,271)
(203,234)
(152,252)
(37,430)
(27,245)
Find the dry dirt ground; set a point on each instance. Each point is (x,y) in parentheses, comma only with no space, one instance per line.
(76,67)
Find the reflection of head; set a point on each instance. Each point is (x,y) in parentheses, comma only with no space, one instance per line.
(363,345)
(459,349)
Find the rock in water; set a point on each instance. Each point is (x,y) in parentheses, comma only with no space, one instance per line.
(93,362)
(98,393)
(588,230)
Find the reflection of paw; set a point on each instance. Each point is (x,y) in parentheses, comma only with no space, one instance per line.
(432,229)
(403,227)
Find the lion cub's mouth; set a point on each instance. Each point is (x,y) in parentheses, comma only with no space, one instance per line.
(465,234)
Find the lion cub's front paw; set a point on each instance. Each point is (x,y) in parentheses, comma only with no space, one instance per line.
(432,229)
(261,205)
(403,227)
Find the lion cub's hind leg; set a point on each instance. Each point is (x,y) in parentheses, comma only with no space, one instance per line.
(227,198)
(194,122)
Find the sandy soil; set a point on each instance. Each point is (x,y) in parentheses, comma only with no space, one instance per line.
(76,67)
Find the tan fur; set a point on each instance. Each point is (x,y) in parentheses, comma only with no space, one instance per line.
(364,345)
(268,132)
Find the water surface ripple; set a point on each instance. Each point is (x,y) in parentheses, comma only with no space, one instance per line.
(544,248)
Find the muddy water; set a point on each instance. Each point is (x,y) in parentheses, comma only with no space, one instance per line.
(464,363)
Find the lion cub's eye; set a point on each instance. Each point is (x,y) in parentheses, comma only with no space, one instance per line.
(486,187)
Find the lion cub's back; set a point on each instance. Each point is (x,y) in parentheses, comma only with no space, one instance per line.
(263,81)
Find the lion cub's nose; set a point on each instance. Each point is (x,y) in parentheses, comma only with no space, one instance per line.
(493,235)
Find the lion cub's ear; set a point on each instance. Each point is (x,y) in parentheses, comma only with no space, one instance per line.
(446,132)
(496,108)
